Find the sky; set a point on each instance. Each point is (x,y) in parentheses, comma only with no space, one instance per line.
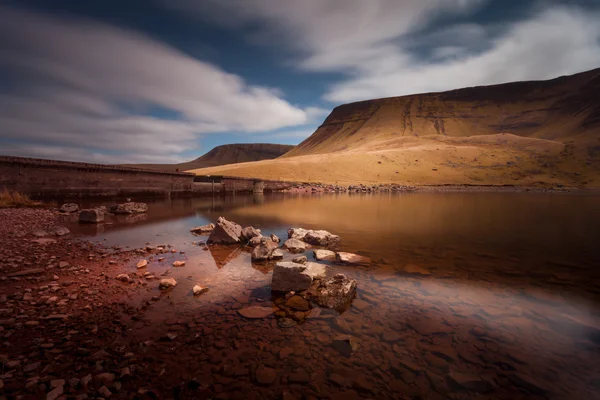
(164,81)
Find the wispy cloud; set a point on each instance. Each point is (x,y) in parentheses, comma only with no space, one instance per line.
(392,47)
(103,89)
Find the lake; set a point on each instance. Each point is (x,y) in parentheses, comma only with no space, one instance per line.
(469,295)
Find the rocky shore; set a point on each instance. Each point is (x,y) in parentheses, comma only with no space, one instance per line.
(317,188)
(82,320)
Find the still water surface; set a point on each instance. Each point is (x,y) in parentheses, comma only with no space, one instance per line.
(506,304)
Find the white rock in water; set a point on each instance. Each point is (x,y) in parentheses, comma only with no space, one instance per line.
(178,263)
(167,283)
(295,245)
(317,238)
(315,270)
(324,255)
(142,263)
(129,208)
(199,290)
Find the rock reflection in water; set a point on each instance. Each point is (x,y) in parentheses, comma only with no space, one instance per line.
(469,296)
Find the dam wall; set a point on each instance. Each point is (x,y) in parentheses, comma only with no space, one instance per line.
(63,179)
(49,179)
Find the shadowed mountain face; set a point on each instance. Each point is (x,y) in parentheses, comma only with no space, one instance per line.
(226,154)
(542,133)
(562,109)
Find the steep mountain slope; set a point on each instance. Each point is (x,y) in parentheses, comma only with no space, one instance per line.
(560,109)
(525,133)
(226,154)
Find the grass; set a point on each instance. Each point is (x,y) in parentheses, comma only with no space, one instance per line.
(16,199)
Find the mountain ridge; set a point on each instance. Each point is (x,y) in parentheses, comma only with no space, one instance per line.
(225,154)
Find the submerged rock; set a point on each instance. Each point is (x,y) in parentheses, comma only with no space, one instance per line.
(324,255)
(178,263)
(256,312)
(298,303)
(336,293)
(295,245)
(91,216)
(204,229)
(345,344)
(351,258)
(225,232)
(69,208)
(265,250)
(129,208)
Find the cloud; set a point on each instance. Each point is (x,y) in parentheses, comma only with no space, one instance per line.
(396,47)
(104,89)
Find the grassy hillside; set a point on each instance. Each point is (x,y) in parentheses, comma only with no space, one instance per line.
(523,133)
(226,154)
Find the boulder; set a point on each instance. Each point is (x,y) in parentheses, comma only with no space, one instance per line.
(225,232)
(142,263)
(204,229)
(321,238)
(351,258)
(249,232)
(336,293)
(315,270)
(264,251)
(316,238)
(297,233)
(255,241)
(277,254)
(69,208)
(178,263)
(167,283)
(324,255)
(275,238)
(129,208)
(91,216)
(295,245)
(289,276)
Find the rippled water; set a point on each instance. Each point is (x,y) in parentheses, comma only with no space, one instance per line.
(507,304)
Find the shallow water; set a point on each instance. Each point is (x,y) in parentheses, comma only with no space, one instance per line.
(507,304)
